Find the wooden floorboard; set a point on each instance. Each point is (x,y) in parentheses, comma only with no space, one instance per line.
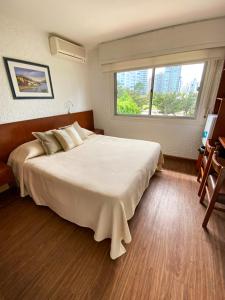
(43,256)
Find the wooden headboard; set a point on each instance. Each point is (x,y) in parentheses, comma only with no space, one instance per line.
(14,134)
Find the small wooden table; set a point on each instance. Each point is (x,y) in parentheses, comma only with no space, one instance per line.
(222,141)
(99,131)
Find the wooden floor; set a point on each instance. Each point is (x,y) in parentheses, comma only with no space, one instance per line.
(170,257)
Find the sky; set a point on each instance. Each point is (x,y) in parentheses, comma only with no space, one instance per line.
(189,72)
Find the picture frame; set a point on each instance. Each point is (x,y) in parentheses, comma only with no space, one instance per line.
(28,80)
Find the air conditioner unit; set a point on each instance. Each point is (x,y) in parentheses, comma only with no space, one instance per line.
(67,49)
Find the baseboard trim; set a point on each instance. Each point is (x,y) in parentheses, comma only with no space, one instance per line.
(179,157)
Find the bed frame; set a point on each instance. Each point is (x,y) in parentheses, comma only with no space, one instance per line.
(14,134)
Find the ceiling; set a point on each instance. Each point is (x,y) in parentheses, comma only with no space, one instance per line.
(90,22)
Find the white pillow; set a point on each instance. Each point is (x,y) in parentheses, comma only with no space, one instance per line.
(48,141)
(74,135)
(88,132)
(64,139)
(83,132)
(80,131)
(26,151)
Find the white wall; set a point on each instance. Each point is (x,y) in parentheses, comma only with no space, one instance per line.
(69,79)
(178,137)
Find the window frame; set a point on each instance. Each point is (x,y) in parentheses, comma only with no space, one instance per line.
(149,115)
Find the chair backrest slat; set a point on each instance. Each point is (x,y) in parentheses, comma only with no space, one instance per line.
(209,146)
(218,163)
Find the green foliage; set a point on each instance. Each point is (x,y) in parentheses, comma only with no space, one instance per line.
(166,103)
(139,98)
(126,104)
(189,103)
(174,104)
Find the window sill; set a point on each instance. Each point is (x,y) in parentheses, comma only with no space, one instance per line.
(155,117)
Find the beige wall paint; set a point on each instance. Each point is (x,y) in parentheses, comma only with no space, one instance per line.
(178,137)
(69,79)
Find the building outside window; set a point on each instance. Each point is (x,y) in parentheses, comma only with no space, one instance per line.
(161,91)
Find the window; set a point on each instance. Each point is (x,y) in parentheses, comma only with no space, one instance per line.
(161,91)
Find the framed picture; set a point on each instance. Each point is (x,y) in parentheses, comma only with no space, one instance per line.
(28,80)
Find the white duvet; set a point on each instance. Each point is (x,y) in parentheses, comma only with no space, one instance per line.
(97,184)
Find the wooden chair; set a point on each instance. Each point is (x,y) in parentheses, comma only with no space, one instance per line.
(214,187)
(205,165)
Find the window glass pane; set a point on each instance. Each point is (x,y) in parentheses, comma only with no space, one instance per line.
(176,89)
(133,88)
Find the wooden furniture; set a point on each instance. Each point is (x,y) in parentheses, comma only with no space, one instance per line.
(219,109)
(199,161)
(205,165)
(14,134)
(6,175)
(99,131)
(217,137)
(215,187)
(219,128)
(221,89)
(222,141)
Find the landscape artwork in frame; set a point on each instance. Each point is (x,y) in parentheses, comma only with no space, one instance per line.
(28,80)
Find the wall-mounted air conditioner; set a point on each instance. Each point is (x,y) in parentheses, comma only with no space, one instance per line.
(67,49)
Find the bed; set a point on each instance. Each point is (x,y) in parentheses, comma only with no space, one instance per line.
(96,185)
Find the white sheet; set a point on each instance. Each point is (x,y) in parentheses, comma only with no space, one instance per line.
(97,184)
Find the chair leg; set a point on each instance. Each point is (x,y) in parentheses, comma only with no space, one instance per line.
(201,187)
(199,175)
(202,195)
(203,181)
(209,212)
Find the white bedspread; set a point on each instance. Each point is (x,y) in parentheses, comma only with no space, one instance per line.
(96,185)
